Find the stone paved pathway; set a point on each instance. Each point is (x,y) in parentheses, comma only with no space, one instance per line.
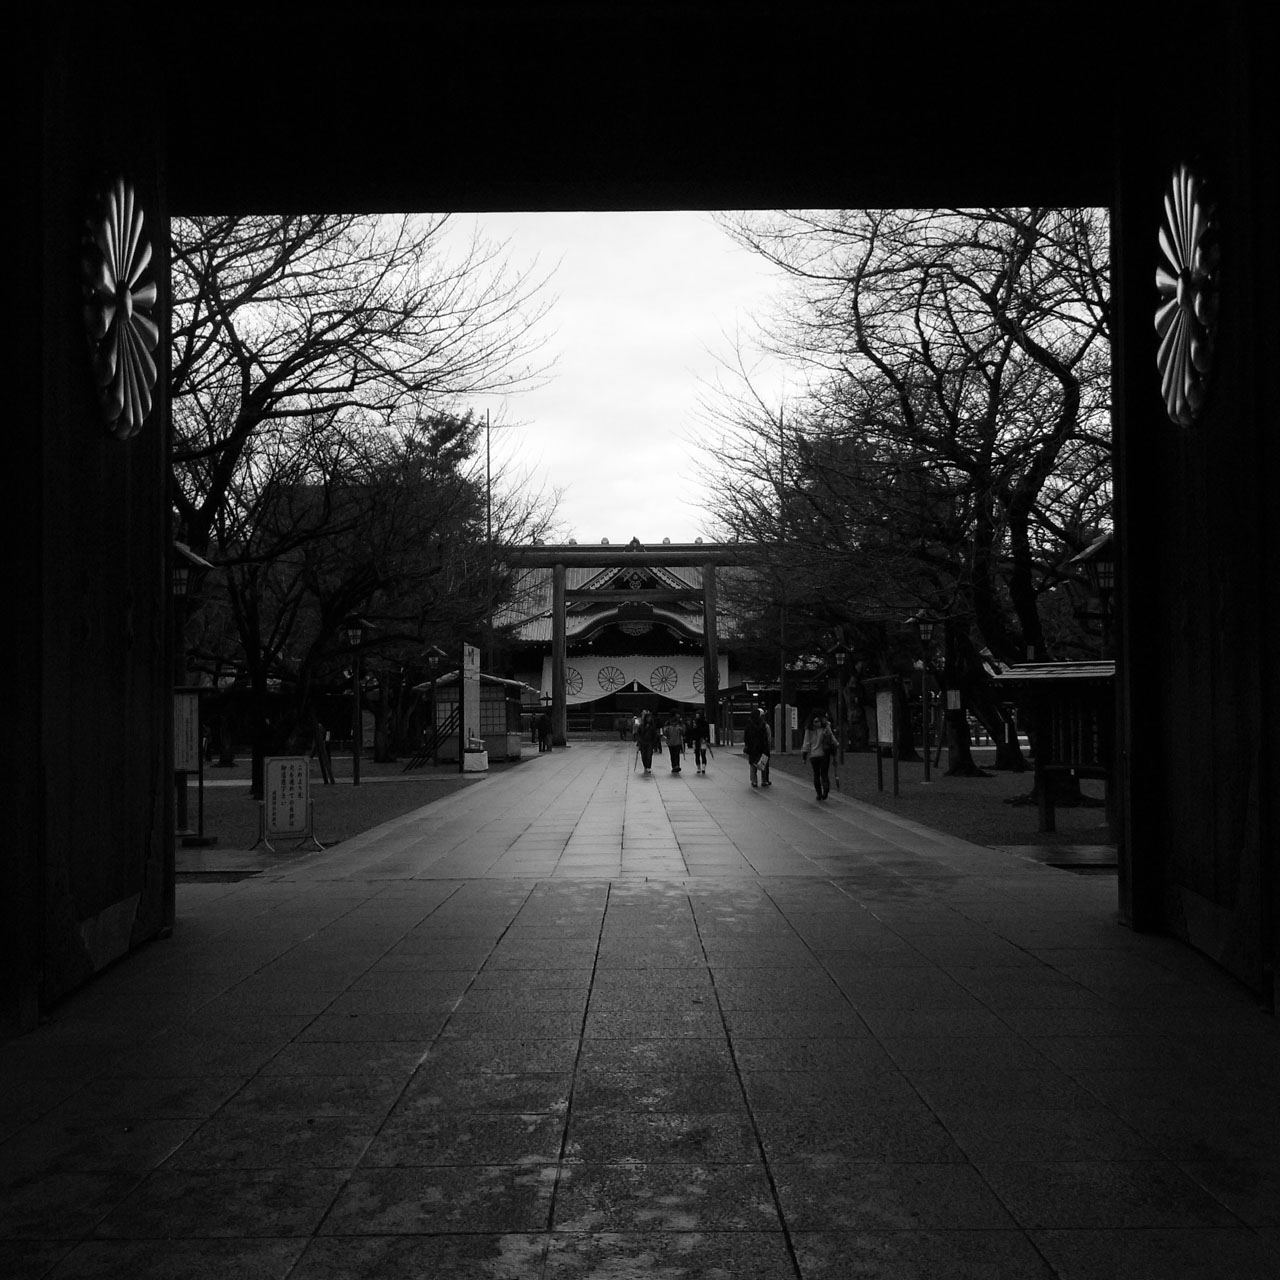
(575,1021)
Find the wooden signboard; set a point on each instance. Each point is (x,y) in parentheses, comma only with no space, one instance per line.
(885,735)
(186,732)
(884,718)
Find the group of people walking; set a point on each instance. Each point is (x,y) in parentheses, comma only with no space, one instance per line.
(819,746)
(677,734)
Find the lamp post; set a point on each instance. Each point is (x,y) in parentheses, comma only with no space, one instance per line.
(924,629)
(1098,560)
(434,654)
(841,655)
(354,628)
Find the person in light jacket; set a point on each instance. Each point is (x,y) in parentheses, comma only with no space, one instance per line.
(675,740)
(758,742)
(818,747)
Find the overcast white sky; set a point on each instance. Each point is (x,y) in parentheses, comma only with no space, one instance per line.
(647,309)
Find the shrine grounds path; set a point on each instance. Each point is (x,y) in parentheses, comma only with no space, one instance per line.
(980,810)
(570,1020)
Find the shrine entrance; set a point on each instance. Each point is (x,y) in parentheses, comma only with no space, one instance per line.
(566,114)
(642,622)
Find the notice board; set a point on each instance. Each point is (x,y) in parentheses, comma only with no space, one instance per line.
(288,791)
(186,732)
(884,717)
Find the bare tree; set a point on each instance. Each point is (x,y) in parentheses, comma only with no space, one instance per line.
(316,456)
(305,318)
(953,446)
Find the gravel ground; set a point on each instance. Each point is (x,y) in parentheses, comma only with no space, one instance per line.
(340,811)
(975,809)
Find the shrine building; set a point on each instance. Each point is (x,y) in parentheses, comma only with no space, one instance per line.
(608,631)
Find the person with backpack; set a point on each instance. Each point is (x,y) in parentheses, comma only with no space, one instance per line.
(818,747)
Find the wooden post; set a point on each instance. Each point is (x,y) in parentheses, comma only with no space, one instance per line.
(710,645)
(559,712)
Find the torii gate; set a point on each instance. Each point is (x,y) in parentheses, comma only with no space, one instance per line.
(704,555)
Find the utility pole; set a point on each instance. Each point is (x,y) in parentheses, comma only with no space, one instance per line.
(488,535)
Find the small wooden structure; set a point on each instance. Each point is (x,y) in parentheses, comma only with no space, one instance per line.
(1071,709)
(499,715)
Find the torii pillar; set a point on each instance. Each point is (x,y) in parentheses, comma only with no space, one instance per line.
(710,646)
(559,712)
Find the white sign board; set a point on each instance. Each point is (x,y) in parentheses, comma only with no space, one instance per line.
(884,716)
(186,733)
(288,786)
(470,694)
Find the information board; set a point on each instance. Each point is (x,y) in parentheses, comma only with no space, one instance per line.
(288,791)
(186,733)
(884,717)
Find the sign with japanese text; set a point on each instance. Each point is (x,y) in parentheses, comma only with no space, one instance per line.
(288,791)
(884,716)
(186,733)
(470,694)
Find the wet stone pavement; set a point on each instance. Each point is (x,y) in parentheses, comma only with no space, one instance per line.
(579,1022)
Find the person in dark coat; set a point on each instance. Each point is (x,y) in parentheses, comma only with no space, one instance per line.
(544,732)
(758,743)
(674,734)
(698,736)
(647,738)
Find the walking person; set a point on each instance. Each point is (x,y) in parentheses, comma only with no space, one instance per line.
(675,740)
(818,747)
(647,739)
(758,742)
(699,736)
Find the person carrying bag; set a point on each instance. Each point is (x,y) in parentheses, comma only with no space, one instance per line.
(757,743)
(818,748)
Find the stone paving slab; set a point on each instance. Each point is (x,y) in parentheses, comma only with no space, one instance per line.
(574,1020)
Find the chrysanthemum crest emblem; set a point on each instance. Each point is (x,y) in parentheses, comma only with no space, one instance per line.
(120,295)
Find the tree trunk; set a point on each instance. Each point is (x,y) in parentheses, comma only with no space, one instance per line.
(960,761)
(261,731)
(226,743)
(1065,790)
(978,697)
